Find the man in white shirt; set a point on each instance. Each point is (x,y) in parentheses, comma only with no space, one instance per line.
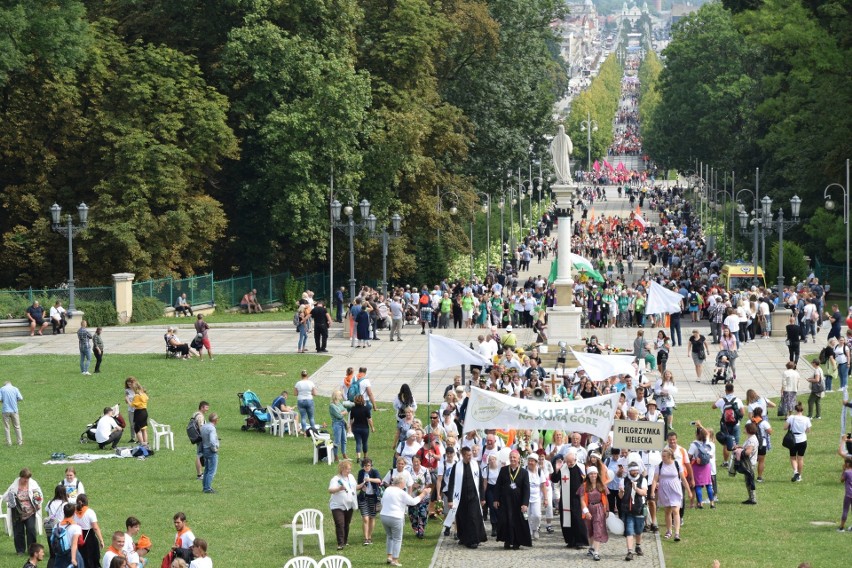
(487,347)
(732,430)
(184,537)
(115,549)
(107,430)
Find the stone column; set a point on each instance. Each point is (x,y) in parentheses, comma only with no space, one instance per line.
(123,282)
(564,319)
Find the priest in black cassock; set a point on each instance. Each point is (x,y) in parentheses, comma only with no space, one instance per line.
(513,500)
(569,476)
(464,502)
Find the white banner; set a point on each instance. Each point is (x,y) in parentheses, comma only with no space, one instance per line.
(488,409)
(445,352)
(661,300)
(600,367)
(638,435)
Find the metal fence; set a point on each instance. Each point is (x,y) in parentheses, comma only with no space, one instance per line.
(832,274)
(198,289)
(14,303)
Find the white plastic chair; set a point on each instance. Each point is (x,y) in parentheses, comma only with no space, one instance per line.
(290,421)
(335,561)
(6,516)
(301,562)
(275,427)
(162,431)
(307,522)
(322,440)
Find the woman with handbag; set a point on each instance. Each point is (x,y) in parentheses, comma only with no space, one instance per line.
(817,390)
(369,494)
(342,489)
(799,426)
(24,498)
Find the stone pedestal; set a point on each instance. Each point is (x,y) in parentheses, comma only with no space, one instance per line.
(780,319)
(563,324)
(123,282)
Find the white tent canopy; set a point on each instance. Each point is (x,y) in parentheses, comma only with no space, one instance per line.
(662,301)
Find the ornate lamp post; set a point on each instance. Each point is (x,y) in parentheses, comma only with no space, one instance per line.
(69,229)
(396,225)
(588,126)
(486,208)
(350,227)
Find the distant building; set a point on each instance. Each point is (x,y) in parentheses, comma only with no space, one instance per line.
(679,11)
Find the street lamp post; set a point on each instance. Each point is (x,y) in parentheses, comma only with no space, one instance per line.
(396,226)
(453,208)
(486,208)
(350,227)
(830,205)
(588,126)
(756,213)
(69,229)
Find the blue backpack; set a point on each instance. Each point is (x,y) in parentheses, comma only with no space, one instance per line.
(60,541)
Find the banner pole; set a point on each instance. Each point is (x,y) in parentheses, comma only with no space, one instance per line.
(429,372)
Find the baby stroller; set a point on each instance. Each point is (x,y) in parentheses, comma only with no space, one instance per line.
(722,373)
(256,415)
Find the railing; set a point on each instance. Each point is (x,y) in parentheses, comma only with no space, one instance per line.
(14,303)
(832,274)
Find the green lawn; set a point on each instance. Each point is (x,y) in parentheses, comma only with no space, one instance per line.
(224,317)
(10,345)
(779,531)
(262,480)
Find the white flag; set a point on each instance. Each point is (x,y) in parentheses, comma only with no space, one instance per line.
(600,367)
(662,300)
(445,352)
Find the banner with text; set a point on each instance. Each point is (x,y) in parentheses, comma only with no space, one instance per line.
(488,409)
(638,435)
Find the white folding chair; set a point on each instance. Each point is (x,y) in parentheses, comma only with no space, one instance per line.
(307,522)
(162,431)
(6,516)
(334,561)
(290,421)
(322,441)
(301,562)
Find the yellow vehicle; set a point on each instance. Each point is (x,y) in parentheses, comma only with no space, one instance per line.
(740,276)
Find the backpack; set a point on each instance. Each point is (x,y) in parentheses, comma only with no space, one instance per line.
(761,439)
(60,543)
(825,355)
(731,412)
(703,456)
(354,390)
(193,432)
(296,319)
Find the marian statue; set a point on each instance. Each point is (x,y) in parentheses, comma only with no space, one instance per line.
(560,149)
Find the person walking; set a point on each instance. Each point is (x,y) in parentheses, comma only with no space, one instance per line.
(210,451)
(395,503)
(98,349)
(748,461)
(203,327)
(344,500)
(337,408)
(9,397)
(634,495)
(84,336)
(800,426)
(322,321)
(464,502)
(789,388)
(23,500)
(698,351)
(513,500)
(396,311)
(817,384)
(369,491)
(199,418)
(593,495)
(302,316)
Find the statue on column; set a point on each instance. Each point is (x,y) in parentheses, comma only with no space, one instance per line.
(560,149)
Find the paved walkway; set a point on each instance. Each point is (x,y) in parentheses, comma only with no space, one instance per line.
(549,550)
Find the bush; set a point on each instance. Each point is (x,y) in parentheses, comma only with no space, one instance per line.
(146,308)
(13,305)
(292,293)
(99,314)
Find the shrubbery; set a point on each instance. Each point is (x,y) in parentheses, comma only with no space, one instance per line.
(98,314)
(146,308)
